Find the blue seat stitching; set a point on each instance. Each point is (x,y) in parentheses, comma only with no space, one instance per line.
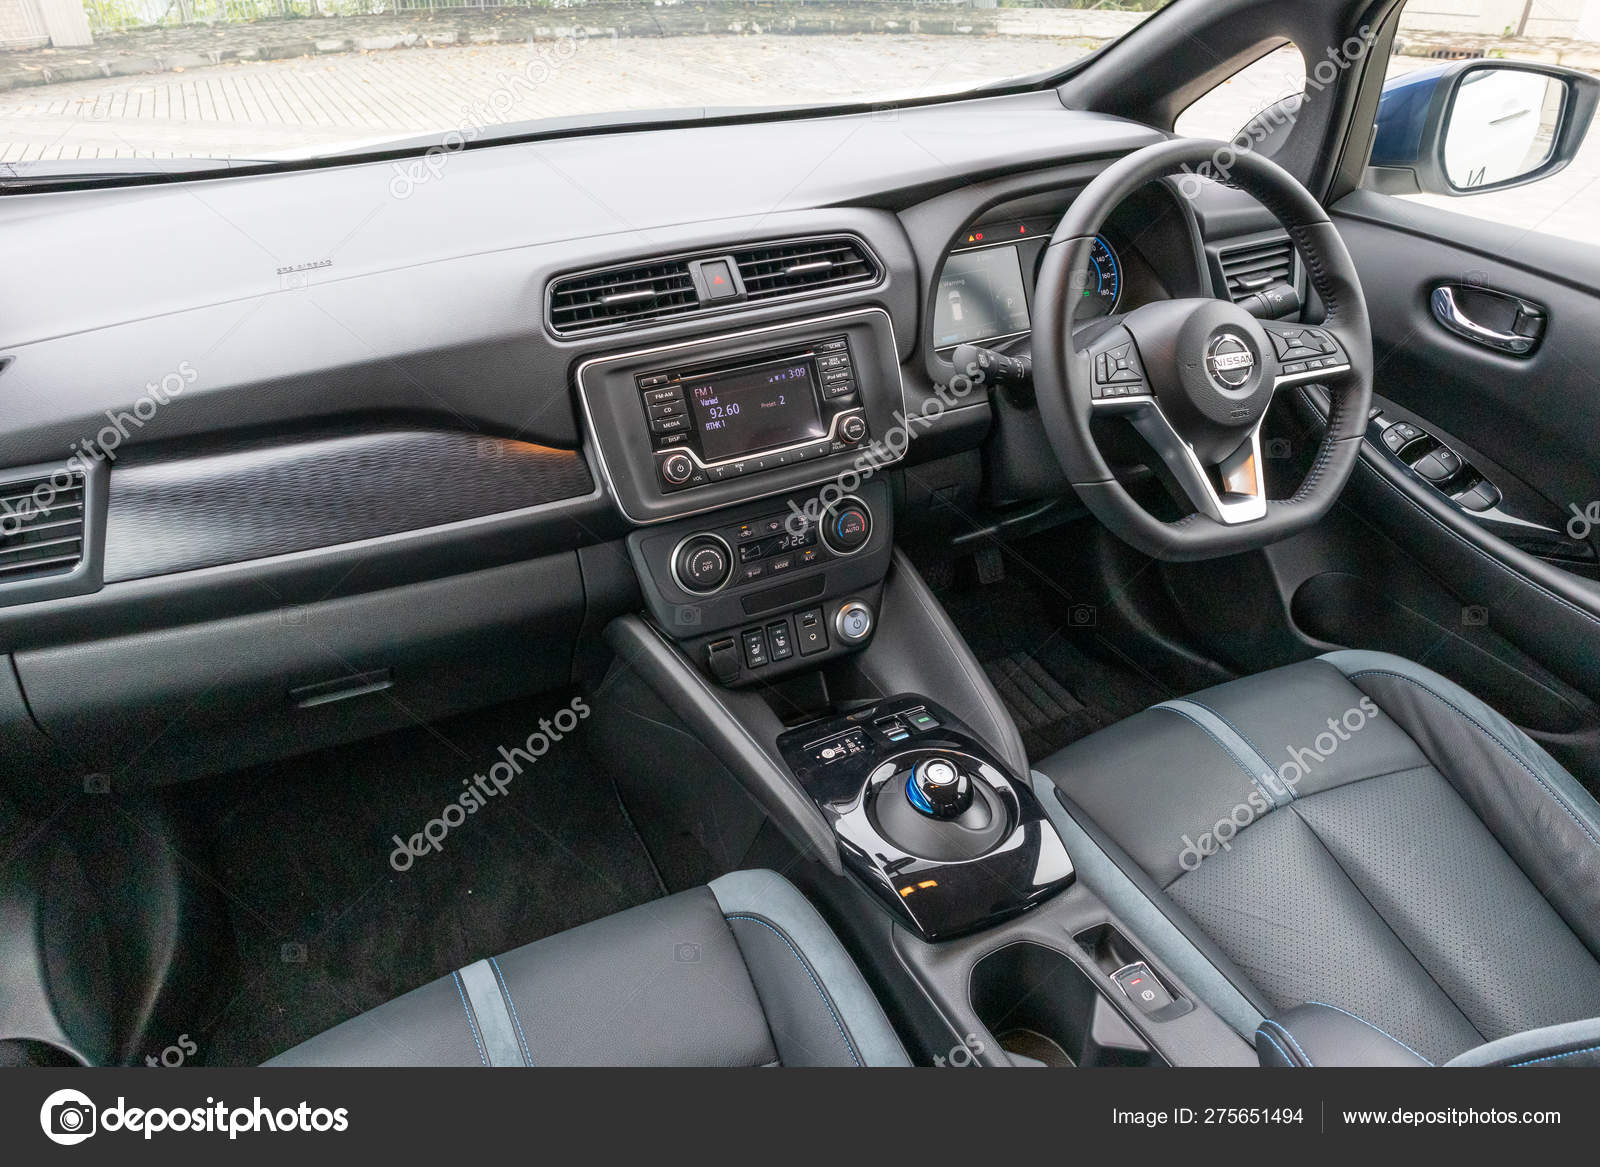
(1260,753)
(1279,1027)
(848,1044)
(471,1024)
(1554,1057)
(1488,733)
(1369,1025)
(512,1005)
(1233,756)
(1275,1045)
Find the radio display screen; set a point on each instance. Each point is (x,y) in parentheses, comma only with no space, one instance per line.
(746,410)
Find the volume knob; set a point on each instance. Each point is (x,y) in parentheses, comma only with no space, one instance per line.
(677,468)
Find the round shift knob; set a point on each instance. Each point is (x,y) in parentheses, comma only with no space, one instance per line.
(939,789)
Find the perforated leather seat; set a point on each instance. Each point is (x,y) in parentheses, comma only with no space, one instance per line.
(743,972)
(1359,832)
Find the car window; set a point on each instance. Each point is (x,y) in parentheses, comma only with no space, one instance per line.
(1223,111)
(252,80)
(1502,121)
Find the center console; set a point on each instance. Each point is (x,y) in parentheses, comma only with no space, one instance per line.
(927,817)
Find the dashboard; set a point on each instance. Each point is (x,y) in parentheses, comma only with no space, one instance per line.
(406,467)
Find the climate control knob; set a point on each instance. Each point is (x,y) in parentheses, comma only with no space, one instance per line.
(847,526)
(676,468)
(702,564)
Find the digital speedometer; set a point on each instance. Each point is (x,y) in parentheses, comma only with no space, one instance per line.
(1101,284)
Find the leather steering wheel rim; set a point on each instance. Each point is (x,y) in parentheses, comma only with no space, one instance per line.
(1194,384)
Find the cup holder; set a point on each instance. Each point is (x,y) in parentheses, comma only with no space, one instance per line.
(1043,1007)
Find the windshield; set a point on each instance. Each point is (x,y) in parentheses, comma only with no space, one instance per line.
(293,79)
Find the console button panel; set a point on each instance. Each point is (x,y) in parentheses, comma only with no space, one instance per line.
(802,582)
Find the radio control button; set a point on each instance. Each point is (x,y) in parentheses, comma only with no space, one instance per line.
(663,396)
(837,344)
(840,389)
(654,379)
(666,409)
(677,468)
(853,428)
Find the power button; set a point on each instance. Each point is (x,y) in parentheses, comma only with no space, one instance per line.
(853,622)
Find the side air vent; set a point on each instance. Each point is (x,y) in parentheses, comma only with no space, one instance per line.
(622,296)
(808,265)
(41,527)
(1255,266)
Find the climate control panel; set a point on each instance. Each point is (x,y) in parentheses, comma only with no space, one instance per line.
(772,587)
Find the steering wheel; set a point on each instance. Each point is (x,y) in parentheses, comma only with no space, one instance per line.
(1195,376)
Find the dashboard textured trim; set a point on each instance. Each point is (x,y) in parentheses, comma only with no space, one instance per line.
(268,500)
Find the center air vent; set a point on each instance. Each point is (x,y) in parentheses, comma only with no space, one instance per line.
(661,289)
(622,296)
(41,526)
(809,265)
(1256,266)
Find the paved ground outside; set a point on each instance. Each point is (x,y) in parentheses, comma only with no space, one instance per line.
(345,100)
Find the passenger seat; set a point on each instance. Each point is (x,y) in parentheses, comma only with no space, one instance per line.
(743,972)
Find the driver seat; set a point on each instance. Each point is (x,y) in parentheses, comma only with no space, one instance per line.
(1358,834)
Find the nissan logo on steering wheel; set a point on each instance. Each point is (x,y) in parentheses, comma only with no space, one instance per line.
(1229,361)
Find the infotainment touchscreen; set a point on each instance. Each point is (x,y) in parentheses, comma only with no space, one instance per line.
(757,408)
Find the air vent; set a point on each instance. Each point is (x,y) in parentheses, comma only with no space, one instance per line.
(41,527)
(1256,266)
(781,269)
(662,289)
(621,296)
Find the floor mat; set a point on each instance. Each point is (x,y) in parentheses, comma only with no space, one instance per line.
(326,927)
(1059,678)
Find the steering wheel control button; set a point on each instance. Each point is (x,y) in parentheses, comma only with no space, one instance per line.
(677,468)
(853,622)
(847,526)
(1118,373)
(702,564)
(939,789)
(810,633)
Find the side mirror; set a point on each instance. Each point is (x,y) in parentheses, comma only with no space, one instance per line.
(1475,126)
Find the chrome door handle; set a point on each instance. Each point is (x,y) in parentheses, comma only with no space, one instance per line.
(1447,311)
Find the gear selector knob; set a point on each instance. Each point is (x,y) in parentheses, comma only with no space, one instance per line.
(939,789)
